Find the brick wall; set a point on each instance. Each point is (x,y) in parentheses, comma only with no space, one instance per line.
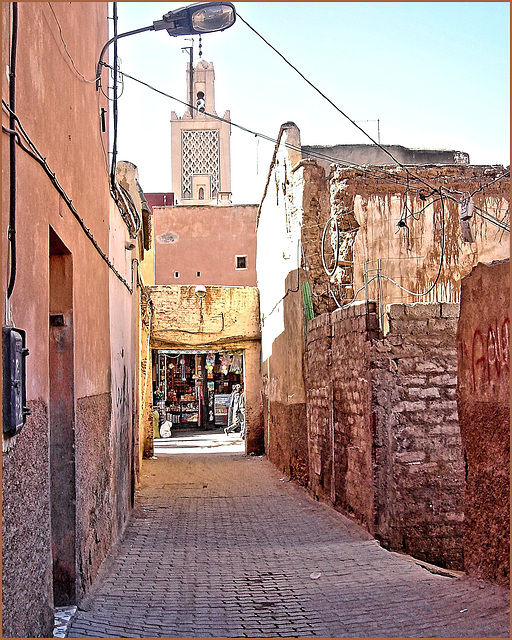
(483,396)
(319,405)
(384,442)
(352,330)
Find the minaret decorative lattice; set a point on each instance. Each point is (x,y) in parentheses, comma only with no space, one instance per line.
(200,155)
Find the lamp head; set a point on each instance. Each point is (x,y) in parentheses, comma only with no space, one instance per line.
(200,291)
(200,17)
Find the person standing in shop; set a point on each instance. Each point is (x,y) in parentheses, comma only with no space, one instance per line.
(236,411)
(241,412)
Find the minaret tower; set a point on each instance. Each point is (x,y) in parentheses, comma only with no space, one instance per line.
(201,164)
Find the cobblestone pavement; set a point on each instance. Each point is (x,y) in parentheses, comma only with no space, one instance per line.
(222,546)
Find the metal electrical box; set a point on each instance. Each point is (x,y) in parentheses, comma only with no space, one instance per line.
(14,354)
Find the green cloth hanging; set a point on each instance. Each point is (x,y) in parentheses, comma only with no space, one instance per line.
(309,314)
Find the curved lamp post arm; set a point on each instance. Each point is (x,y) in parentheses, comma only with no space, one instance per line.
(107,45)
(201,17)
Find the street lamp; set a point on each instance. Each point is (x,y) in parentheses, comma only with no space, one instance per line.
(200,17)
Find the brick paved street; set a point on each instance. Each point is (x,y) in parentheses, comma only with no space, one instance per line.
(221,546)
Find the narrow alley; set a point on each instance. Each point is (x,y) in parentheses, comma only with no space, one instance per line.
(224,546)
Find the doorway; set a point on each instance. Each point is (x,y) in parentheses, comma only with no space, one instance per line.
(192,388)
(62,422)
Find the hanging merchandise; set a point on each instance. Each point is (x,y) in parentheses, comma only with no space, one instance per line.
(236,363)
(224,363)
(210,361)
(183,373)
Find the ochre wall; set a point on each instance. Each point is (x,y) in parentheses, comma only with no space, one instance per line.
(227,318)
(483,398)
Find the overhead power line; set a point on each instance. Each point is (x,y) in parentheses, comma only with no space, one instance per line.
(353,122)
(380,174)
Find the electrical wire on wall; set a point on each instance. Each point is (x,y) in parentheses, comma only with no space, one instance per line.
(381,275)
(120,195)
(12,155)
(82,76)
(93,81)
(288,290)
(21,138)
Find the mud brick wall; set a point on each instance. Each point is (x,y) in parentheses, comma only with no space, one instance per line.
(339,409)
(352,331)
(483,397)
(419,471)
(384,441)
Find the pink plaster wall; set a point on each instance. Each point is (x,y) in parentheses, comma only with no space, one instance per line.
(59,107)
(205,239)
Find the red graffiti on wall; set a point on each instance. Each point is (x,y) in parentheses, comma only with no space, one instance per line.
(490,355)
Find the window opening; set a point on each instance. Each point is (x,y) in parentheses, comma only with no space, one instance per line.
(241,262)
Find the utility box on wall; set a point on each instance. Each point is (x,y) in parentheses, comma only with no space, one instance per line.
(14,354)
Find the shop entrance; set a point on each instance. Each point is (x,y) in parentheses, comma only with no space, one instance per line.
(192,388)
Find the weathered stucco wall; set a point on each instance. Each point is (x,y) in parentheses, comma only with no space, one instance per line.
(284,390)
(410,230)
(384,442)
(484,409)
(226,318)
(27,581)
(280,281)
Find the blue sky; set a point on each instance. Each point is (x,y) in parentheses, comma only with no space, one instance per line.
(435,75)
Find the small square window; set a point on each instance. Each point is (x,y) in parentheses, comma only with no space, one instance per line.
(176,274)
(241,262)
(198,274)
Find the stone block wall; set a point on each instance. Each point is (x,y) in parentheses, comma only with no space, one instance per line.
(483,397)
(419,473)
(384,440)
